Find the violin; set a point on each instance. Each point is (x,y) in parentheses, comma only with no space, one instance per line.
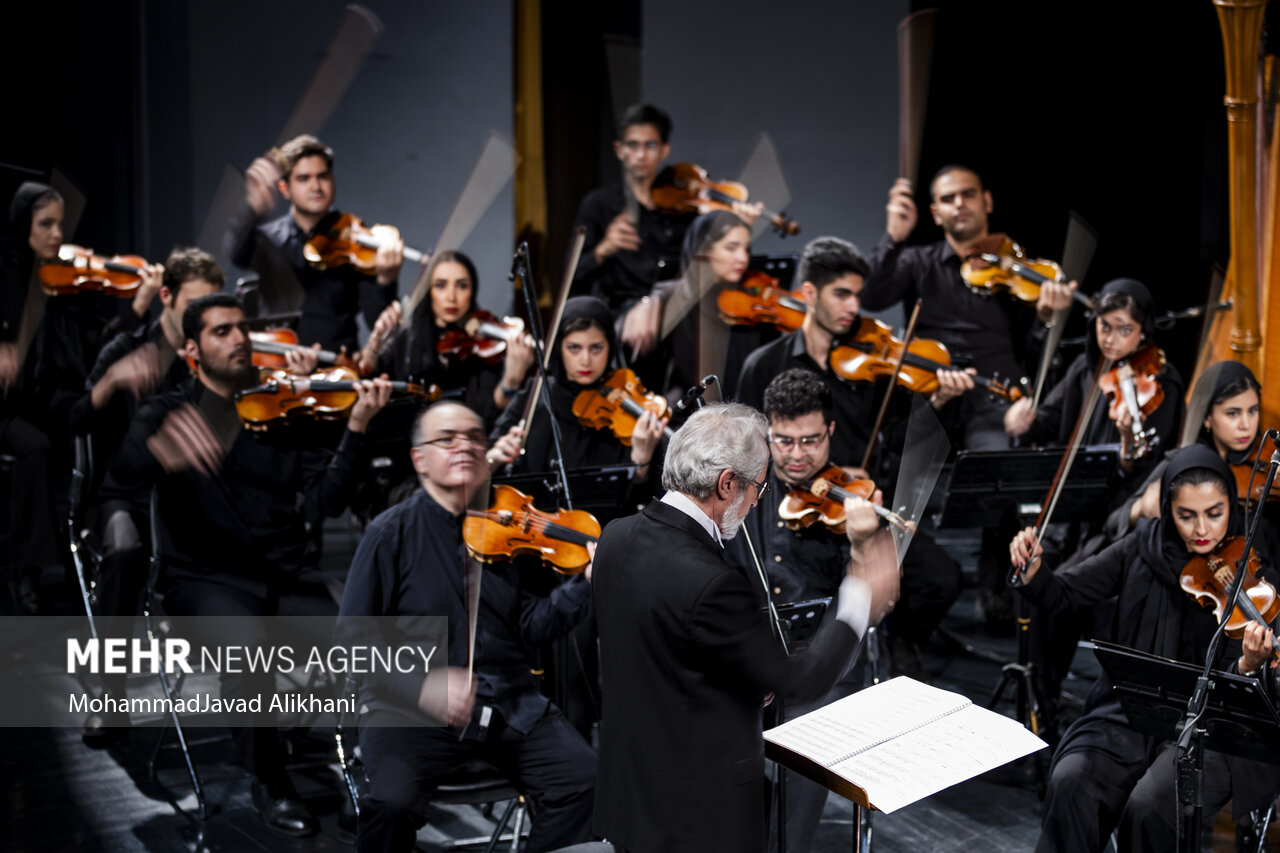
(271,345)
(1009,269)
(77,269)
(872,351)
(342,239)
(327,395)
(512,527)
(821,500)
(1132,387)
(482,336)
(1208,577)
(758,299)
(685,188)
(1244,474)
(617,402)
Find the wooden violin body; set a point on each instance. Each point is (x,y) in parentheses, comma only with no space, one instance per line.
(1008,269)
(872,351)
(77,270)
(512,527)
(1250,482)
(328,395)
(343,239)
(820,503)
(270,346)
(1132,386)
(1208,578)
(758,299)
(685,188)
(482,336)
(617,402)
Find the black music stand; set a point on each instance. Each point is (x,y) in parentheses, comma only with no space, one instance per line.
(985,487)
(593,489)
(1240,718)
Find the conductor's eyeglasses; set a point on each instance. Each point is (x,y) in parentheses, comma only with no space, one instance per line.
(454,440)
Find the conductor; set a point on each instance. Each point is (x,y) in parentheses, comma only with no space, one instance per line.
(687,653)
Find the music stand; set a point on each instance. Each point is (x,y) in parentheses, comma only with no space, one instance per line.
(985,484)
(594,488)
(1240,718)
(985,487)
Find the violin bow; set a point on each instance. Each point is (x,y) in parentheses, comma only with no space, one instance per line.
(1068,458)
(575,252)
(893,381)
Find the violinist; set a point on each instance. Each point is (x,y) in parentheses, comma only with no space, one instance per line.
(132,367)
(832,272)
(232,539)
(1124,325)
(1104,775)
(583,354)
(410,562)
(330,298)
(715,254)
(33,231)
(995,332)
(407,349)
(809,563)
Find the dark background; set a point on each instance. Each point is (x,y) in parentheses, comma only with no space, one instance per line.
(1109,109)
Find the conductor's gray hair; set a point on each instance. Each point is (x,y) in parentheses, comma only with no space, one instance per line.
(716,437)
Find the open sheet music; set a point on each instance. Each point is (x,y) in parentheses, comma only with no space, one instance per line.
(901,740)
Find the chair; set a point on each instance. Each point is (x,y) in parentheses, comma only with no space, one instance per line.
(475,784)
(150,603)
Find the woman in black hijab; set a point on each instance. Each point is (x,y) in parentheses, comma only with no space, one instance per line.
(1123,325)
(408,351)
(584,354)
(33,230)
(1104,775)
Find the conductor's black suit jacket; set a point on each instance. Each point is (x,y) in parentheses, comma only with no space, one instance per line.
(686,659)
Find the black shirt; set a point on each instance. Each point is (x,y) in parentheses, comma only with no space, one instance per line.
(241,526)
(330,298)
(855,404)
(991,331)
(412,562)
(626,276)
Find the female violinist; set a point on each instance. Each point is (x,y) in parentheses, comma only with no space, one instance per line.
(716,252)
(583,355)
(1106,776)
(1124,326)
(407,349)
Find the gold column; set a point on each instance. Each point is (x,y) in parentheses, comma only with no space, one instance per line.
(1241,24)
(531,172)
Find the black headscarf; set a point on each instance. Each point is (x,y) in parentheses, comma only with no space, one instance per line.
(1142,298)
(563,389)
(1161,545)
(703,234)
(1226,373)
(15,252)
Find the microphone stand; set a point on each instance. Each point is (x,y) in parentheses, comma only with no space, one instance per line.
(1190,757)
(524,284)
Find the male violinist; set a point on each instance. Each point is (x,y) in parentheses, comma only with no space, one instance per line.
(688,655)
(232,540)
(331,298)
(996,334)
(412,562)
(630,244)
